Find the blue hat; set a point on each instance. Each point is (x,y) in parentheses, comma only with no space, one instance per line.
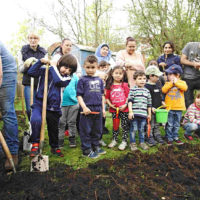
(174,69)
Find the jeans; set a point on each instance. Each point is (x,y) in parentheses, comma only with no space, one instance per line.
(189,94)
(137,124)
(190,127)
(173,124)
(27,96)
(7,97)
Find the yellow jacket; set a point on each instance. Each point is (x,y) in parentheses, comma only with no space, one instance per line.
(174,98)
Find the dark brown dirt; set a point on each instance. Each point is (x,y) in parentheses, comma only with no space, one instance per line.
(172,173)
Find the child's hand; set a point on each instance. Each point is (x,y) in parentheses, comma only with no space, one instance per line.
(130,115)
(104,113)
(112,106)
(163,103)
(45,61)
(175,80)
(86,111)
(123,107)
(153,110)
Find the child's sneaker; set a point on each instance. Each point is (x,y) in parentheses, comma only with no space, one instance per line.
(151,142)
(133,147)
(188,137)
(144,146)
(122,146)
(72,141)
(57,152)
(92,155)
(61,143)
(112,144)
(100,151)
(102,143)
(178,142)
(169,143)
(34,150)
(160,140)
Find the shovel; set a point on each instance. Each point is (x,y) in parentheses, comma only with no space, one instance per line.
(148,128)
(92,113)
(27,134)
(116,120)
(40,163)
(7,151)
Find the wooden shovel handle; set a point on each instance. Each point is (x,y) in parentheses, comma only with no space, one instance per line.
(32,90)
(5,146)
(44,107)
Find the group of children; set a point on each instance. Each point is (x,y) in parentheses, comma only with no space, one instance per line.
(102,87)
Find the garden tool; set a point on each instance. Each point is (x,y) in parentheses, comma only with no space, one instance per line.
(40,163)
(92,113)
(116,120)
(148,128)
(7,151)
(27,134)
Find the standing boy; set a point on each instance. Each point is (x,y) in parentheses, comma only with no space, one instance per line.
(154,86)
(139,106)
(174,89)
(90,93)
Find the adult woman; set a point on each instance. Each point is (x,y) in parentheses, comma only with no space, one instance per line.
(168,58)
(131,59)
(103,53)
(65,48)
(31,50)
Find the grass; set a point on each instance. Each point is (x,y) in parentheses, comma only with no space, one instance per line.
(73,156)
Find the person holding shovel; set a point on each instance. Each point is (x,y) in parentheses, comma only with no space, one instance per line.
(116,96)
(8,81)
(59,76)
(90,92)
(30,52)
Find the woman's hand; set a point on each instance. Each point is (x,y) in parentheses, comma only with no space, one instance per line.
(45,61)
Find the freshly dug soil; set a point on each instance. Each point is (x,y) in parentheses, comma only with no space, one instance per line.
(172,173)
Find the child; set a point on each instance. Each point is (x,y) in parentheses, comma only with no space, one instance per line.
(70,108)
(154,87)
(104,66)
(192,118)
(89,93)
(57,78)
(116,97)
(139,106)
(174,99)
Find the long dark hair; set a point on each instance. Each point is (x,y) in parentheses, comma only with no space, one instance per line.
(110,80)
(171,45)
(67,60)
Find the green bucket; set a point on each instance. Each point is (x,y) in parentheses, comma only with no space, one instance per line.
(161,115)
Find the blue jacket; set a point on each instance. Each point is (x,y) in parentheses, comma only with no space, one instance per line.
(98,55)
(170,60)
(55,82)
(69,94)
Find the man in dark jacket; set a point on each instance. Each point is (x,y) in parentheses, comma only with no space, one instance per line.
(30,51)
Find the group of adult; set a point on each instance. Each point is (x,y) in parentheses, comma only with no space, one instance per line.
(130,58)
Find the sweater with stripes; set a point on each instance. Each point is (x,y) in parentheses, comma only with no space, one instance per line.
(141,101)
(192,115)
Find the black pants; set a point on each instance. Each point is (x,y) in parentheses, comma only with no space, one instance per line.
(52,126)
(193,84)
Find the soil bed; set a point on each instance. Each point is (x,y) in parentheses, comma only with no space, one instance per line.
(172,173)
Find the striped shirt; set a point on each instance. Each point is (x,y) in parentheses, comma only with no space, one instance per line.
(192,115)
(141,100)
